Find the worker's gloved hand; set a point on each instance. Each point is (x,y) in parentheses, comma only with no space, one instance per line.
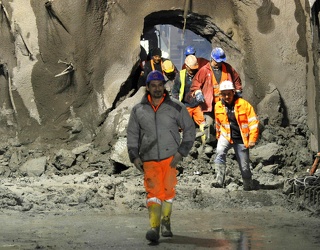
(239,93)
(138,164)
(199,96)
(176,158)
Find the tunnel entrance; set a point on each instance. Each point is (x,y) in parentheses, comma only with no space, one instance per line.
(199,30)
(167,30)
(172,41)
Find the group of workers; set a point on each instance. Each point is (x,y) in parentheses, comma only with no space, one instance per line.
(162,127)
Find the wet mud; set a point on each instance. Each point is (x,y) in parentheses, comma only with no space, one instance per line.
(275,228)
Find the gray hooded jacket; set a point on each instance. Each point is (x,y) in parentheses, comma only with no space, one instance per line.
(154,136)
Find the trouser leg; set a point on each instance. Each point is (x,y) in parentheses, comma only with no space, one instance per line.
(223,147)
(242,154)
(160,180)
(209,129)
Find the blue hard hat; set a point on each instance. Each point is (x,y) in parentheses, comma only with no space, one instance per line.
(155,75)
(218,55)
(189,51)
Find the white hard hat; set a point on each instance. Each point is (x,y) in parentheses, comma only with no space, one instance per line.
(191,61)
(226,85)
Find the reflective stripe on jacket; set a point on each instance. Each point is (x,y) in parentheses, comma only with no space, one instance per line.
(183,83)
(246,119)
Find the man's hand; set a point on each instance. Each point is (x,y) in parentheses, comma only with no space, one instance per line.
(199,96)
(251,144)
(138,164)
(176,158)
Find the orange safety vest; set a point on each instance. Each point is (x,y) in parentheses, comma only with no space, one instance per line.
(152,65)
(224,77)
(246,119)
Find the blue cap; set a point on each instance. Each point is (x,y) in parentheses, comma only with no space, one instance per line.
(218,55)
(155,75)
(190,51)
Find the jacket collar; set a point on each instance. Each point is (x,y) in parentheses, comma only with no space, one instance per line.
(235,100)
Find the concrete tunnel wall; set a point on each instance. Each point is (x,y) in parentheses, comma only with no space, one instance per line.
(271,45)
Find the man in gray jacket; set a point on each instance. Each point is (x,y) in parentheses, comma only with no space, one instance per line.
(155,147)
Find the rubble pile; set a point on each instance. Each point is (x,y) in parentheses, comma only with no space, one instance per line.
(83,177)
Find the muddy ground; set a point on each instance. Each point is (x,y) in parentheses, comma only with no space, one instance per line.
(78,198)
(255,228)
(93,210)
(65,179)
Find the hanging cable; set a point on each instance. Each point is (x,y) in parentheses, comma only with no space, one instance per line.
(185,14)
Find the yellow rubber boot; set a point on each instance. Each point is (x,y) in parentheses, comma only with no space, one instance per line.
(165,219)
(203,137)
(154,218)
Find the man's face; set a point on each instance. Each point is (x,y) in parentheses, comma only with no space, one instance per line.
(191,72)
(215,64)
(156,89)
(227,95)
(156,58)
(171,75)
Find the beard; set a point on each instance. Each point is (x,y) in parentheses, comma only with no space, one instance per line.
(156,94)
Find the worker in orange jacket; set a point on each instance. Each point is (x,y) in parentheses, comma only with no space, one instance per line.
(237,127)
(205,85)
(190,50)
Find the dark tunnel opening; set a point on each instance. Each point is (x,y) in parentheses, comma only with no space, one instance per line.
(199,26)
(158,28)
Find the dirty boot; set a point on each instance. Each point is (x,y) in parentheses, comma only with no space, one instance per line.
(220,172)
(154,218)
(247,184)
(165,219)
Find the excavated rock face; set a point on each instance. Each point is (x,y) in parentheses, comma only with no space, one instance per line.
(67,65)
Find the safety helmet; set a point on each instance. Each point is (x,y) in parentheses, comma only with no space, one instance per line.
(192,62)
(218,55)
(190,51)
(155,75)
(167,66)
(226,85)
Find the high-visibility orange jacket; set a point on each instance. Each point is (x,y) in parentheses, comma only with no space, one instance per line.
(246,119)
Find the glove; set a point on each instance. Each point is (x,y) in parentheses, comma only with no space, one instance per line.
(138,164)
(199,96)
(176,158)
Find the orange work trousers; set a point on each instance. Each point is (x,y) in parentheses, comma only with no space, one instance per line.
(159,181)
(196,114)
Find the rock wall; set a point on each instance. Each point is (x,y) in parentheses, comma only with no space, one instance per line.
(65,65)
